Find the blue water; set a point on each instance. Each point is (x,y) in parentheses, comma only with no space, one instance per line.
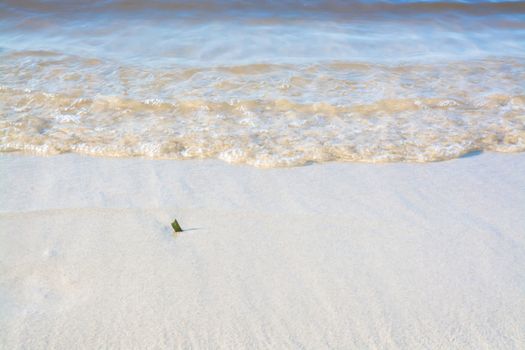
(263,82)
(224,32)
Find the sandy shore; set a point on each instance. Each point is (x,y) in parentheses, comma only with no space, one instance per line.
(354,256)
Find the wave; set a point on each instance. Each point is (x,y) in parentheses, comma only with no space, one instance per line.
(334,8)
(266,115)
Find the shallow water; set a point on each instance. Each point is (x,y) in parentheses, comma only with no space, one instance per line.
(265,83)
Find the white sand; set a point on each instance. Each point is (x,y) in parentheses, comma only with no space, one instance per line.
(353,256)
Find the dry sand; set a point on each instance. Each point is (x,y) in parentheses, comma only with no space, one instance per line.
(345,256)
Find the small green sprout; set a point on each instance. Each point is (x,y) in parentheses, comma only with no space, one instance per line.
(176,226)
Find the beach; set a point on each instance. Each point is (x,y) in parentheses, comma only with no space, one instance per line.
(335,255)
(348,174)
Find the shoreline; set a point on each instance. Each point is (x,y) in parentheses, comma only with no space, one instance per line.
(77,171)
(342,255)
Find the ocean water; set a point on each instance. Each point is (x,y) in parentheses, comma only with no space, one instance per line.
(265,83)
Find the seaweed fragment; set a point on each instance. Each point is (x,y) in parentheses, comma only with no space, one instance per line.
(176,226)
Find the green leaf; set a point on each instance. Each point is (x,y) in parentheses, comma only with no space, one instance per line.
(176,226)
